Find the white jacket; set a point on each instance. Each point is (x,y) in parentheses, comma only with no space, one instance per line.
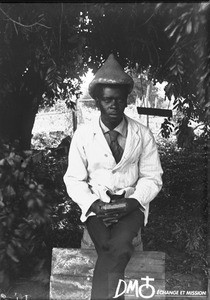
(92,168)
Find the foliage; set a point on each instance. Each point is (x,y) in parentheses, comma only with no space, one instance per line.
(141,83)
(190,56)
(179,213)
(40,61)
(25,213)
(43,140)
(36,213)
(43,48)
(65,229)
(191,236)
(16,296)
(166,128)
(171,40)
(46,47)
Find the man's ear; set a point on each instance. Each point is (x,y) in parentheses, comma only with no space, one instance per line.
(126,103)
(97,102)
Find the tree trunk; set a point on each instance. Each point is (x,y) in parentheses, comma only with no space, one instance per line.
(28,117)
(17,119)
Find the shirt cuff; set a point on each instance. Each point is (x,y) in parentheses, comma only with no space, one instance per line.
(85,208)
(142,207)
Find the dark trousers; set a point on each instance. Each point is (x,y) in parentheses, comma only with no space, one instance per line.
(114,248)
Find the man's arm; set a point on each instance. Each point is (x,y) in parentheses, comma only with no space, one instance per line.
(76,176)
(150,172)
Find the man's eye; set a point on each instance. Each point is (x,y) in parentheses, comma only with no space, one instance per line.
(107,100)
(110,100)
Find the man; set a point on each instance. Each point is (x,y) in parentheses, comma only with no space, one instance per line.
(113,160)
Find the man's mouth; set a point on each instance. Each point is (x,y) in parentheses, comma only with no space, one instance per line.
(113,112)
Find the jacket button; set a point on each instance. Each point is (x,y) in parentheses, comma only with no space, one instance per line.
(113,171)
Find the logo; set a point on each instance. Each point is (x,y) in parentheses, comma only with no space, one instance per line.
(145,291)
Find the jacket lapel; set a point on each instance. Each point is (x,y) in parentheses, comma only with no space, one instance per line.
(99,136)
(132,142)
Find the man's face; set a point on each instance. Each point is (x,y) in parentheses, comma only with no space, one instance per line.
(112,103)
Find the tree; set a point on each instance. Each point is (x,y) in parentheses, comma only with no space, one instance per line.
(189,76)
(40,51)
(141,83)
(172,39)
(46,46)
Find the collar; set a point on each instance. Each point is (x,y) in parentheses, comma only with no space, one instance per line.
(121,128)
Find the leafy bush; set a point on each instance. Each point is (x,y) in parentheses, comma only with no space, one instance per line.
(179,213)
(66,228)
(25,213)
(43,140)
(36,213)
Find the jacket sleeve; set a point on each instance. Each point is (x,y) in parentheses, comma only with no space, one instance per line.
(150,172)
(76,175)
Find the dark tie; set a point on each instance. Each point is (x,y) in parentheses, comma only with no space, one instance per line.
(116,149)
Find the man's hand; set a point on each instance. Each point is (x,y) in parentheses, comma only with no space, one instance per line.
(95,207)
(132,204)
(111,212)
(112,216)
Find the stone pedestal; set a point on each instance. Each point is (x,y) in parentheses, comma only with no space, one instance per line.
(72,270)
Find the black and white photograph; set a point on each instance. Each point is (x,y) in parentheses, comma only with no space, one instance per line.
(104,150)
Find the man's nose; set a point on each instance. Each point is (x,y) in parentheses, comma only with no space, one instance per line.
(114,102)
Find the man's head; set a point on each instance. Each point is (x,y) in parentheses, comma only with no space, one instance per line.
(112,101)
(110,88)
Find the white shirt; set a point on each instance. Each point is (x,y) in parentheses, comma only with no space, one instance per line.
(121,128)
(92,168)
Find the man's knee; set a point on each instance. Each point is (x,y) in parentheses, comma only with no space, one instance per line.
(120,249)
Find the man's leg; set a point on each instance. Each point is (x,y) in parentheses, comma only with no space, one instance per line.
(121,247)
(114,248)
(100,235)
